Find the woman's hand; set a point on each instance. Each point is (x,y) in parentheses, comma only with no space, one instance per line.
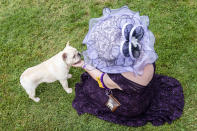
(80,64)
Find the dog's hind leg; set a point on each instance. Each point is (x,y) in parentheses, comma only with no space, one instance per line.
(32,92)
(30,89)
(64,83)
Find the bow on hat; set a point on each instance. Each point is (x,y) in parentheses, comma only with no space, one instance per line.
(131,47)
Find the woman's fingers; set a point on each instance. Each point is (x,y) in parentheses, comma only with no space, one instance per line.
(80,64)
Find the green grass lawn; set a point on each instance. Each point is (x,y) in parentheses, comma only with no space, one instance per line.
(32,31)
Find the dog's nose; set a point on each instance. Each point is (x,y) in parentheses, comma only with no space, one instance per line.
(79,54)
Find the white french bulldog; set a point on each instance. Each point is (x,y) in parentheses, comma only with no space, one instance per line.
(55,68)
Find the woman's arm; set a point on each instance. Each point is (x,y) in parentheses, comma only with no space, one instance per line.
(143,79)
(96,73)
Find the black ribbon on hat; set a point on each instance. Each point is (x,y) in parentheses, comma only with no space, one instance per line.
(131,33)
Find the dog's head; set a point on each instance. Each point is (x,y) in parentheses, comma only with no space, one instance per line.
(70,55)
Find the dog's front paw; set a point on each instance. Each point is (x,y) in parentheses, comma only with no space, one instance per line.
(69,76)
(69,90)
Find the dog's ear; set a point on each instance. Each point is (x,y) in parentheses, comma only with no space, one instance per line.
(64,56)
(68,44)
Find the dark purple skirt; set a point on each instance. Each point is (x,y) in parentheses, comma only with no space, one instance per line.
(160,101)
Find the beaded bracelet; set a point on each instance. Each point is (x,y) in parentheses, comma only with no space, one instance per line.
(84,66)
(103,81)
(100,81)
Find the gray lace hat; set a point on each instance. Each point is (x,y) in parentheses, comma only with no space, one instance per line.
(119,41)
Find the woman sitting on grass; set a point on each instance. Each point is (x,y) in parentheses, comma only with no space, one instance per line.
(120,84)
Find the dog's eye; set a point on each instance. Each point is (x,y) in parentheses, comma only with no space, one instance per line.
(74,56)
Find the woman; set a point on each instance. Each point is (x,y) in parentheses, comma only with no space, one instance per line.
(120,84)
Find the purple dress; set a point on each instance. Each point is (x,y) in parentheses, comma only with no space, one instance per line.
(160,101)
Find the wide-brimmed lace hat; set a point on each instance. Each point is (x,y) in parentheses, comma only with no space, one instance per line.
(119,41)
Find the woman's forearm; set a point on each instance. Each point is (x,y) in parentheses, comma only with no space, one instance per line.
(106,79)
(94,73)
